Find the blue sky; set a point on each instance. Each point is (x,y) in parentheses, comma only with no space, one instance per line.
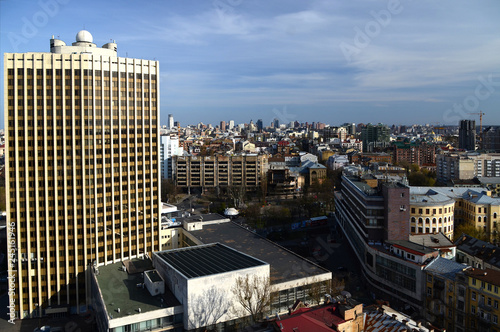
(396,62)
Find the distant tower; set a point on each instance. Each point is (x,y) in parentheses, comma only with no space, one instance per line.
(260,125)
(467,135)
(223,125)
(231,124)
(170,121)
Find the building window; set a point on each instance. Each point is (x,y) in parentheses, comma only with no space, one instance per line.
(429,291)
(473,309)
(473,296)
(489,287)
(495,304)
(495,319)
(474,281)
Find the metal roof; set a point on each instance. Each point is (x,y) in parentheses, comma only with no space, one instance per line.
(203,260)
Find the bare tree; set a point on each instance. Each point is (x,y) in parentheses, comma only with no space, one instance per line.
(208,308)
(316,290)
(254,295)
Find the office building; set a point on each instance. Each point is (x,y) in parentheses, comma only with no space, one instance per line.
(82,127)
(467,135)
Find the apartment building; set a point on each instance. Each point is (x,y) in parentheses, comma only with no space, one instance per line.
(82,176)
(169,147)
(465,166)
(431,212)
(221,171)
(420,153)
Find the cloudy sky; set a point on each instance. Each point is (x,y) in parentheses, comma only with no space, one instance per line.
(395,62)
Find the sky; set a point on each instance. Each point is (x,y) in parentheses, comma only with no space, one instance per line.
(331,61)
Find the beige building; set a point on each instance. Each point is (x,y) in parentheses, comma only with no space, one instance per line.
(470,205)
(214,171)
(465,166)
(82,176)
(431,212)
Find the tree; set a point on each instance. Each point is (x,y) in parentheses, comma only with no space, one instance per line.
(337,285)
(169,191)
(254,295)
(208,308)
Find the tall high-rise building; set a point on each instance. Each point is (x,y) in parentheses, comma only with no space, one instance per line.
(82,173)
(260,125)
(170,121)
(374,136)
(169,147)
(223,125)
(467,135)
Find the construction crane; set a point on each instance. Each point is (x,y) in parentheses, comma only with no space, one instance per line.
(480,113)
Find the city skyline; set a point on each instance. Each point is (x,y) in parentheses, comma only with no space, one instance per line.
(395,62)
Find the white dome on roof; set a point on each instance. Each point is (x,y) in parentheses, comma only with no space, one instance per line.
(84,36)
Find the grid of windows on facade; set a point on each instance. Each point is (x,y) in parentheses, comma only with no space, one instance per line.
(396,273)
(82,171)
(285,299)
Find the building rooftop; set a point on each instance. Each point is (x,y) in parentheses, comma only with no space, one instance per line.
(285,265)
(386,319)
(445,267)
(120,291)
(430,197)
(486,251)
(438,240)
(415,248)
(487,275)
(203,260)
(325,318)
(207,217)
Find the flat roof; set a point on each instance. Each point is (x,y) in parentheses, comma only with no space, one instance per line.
(119,291)
(285,265)
(207,217)
(200,261)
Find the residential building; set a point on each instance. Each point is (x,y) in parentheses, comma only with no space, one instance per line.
(467,135)
(169,147)
(375,136)
(491,139)
(414,152)
(477,253)
(431,212)
(446,289)
(385,318)
(221,171)
(82,151)
(483,297)
(346,315)
(454,166)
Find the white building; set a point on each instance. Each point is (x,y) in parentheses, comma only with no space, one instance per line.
(202,279)
(169,147)
(170,121)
